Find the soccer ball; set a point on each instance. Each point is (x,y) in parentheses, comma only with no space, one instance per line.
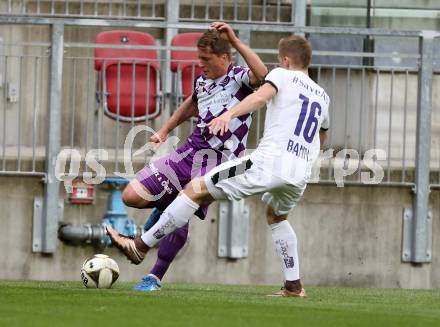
(101,271)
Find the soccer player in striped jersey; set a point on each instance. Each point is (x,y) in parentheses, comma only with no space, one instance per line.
(221,86)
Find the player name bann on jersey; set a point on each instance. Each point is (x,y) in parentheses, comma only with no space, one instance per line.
(297,149)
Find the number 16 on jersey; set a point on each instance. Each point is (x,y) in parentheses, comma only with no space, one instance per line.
(313,112)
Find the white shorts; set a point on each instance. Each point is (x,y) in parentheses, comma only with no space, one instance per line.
(240,178)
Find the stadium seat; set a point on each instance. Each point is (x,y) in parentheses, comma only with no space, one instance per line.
(128,86)
(184,64)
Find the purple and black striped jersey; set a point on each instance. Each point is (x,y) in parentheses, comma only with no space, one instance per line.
(214,97)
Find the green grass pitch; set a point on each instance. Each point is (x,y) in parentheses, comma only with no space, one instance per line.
(70,304)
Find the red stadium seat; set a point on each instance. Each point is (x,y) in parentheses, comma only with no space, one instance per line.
(128,79)
(185,63)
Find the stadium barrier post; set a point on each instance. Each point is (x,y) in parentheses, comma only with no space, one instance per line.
(52,189)
(421,222)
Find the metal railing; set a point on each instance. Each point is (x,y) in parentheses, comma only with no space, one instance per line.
(372,107)
(87,127)
(24,104)
(275,11)
(116,9)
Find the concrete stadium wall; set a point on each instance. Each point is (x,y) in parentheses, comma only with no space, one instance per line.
(347,236)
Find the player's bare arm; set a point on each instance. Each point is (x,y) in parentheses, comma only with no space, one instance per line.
(186,110)
(322,136)
(257,67)
(250,104)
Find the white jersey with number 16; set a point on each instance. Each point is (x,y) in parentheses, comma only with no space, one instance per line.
(294,117)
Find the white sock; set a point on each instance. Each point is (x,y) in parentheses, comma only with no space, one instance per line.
(175,216)
(285,242)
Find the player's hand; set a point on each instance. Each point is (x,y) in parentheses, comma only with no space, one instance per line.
(159,137)
(220,124)
(226,31)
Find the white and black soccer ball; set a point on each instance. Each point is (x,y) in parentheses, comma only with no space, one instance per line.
(100,271)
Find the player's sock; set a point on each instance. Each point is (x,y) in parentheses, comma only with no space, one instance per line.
(175,216)
(168,249)
(285,242)
(152,219)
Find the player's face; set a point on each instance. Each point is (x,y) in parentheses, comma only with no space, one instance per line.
(213,65)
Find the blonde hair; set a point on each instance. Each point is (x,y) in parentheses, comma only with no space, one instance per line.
(297,48)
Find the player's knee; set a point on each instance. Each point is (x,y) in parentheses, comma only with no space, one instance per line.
(132,199)
(197,191)
(127,196)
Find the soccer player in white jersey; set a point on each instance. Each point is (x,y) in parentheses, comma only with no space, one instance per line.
(296,122)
